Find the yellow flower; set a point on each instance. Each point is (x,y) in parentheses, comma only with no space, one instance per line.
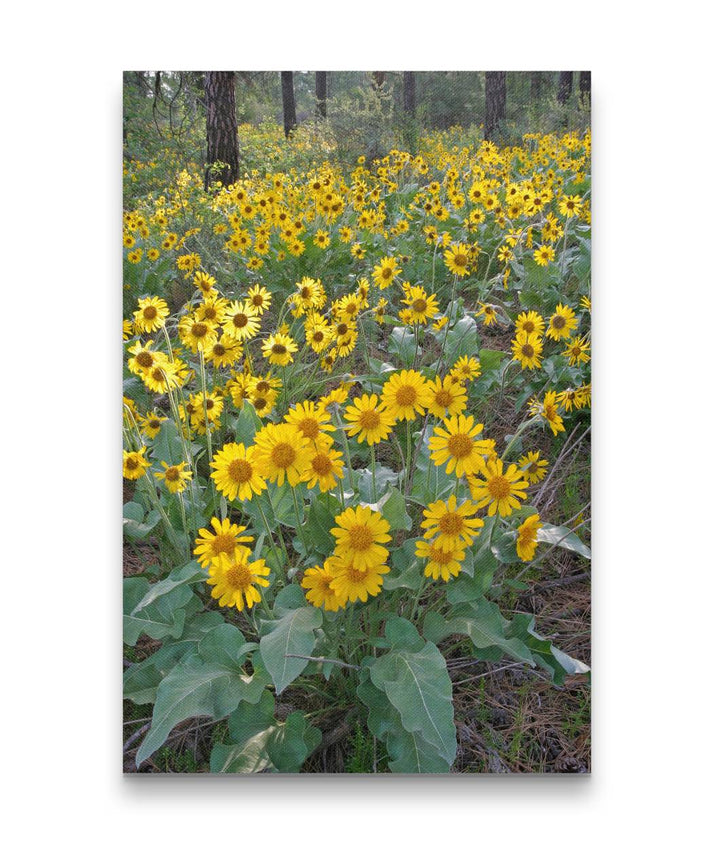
(319,592)
(449,397)
(351,582)
(421,307)
(548,410)
(369,421)
(278,349)
(151,314)
(223,539)
(134,464)
(311,420)
(441,562)
(151,423)
(258,299)
(527,537)
(457,259)
(534,468)
(240,320)
(451,524)
(527,350)
(197,335)
(562,323)
(386,271)
(530,322)
(544,255)
(175,477)
(325,467)
(500,490)
(360,533)
(458,443)
(283,452)
(233,577)
(225,352)
(405,394)
(466,369)
(577,351)
(236,473)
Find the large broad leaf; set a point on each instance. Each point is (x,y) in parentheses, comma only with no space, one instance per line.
(414,677)
(483,622)
(430,482)
(293,634)
(167,445)
(384,477)
(563,537)
(135,524)
(405,567)
(319,523)
(247,424)
(261,743)
(403,343)
(462,339)
(164,616)
(393,509)
(178,577)
(209,683)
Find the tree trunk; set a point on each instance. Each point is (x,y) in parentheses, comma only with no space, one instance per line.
(221,128)
(495,96)
(409,92)
(378,78)
(321,94)
(288,99)
(565,87)
(585,87)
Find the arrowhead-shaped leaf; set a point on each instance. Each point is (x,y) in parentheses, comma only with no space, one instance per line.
(291,634)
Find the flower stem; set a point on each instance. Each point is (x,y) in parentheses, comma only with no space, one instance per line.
(300,529)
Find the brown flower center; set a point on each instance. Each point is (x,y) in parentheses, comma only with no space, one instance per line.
(240,320)
(223,543)
(145,359)
(527,351)
(238,576)
(322,465)
(499,487)
(406,395)
(460,445)
(419,305)
(461,260)
(361,537)
(369,419)
(277,348)
(558,322)
(240,471)
(150,312)
(172,474)
(309,427)
(443,398)
(451,523)
(199,330)
(283,455)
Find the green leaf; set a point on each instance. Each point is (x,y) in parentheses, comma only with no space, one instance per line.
(292,742)
(165,616)
(247,424)
(490,360)
(384,477)
(402,343)
(291,634)
(167,445)
(483,622)
(319,523)
(405,566)
(140,681)
(209,683)
(418,686)
(135,525)
(289,598)
(185,576)
(563,537)
(393,509)
(552,659)
(462,339)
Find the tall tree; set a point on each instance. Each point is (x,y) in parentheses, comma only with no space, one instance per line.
(288,99)
(565,83)
(535,86)
(378,78)
(321,94)
(221,127)
(585,87)
(495,98)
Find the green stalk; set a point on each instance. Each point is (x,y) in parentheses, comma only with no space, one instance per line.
(300,529)
(372,466)
(207,425)
(270,534)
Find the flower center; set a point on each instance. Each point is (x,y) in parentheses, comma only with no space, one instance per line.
(283,455)
(131,463)
(461,260)
(240,471)
(240,320)
(387,273)
(355,575)
(442,557)
(305,293)
(172,474)
(199,330)
(145,359)
(260,403)
(149,312)
(238,576)
(342,329)
(257,300)
(533,467)
(322,465)
(443,398)
(460,445)
(558,322)
(406,395)
(360,537)
(451,523)
(528,326)
(219,350)
(277,348)
(499,487)
(224,543)
(309,427)
(153,424)
(369,419)
(528,351)
(419,305)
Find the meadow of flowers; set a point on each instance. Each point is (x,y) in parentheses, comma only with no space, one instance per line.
(345,392)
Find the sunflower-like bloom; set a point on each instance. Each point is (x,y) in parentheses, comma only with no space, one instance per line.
(222,539)
(236,472)
(368,419)
(234,578)
(283,452)
(577,351)
(325,467)
(279,349)
(562,323)
(449,397)
(259,299)
(353,582)
(225,352)
(527,350)
(311,420)
(441,562)
(176,477)
(502,491)
(319,591)
(151,314)
(451,524)
(530,322)
(386,271)
(359,535)
(197,335)
(465,369)
(534,468)
(527,537)
(548,410)
(421,306)
(457,259)
(135,464)
(406,394)
(459,444)
(240,321)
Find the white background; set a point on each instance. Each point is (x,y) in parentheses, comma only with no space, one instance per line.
(655,327)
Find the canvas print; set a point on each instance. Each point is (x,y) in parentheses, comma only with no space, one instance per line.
(356,422)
